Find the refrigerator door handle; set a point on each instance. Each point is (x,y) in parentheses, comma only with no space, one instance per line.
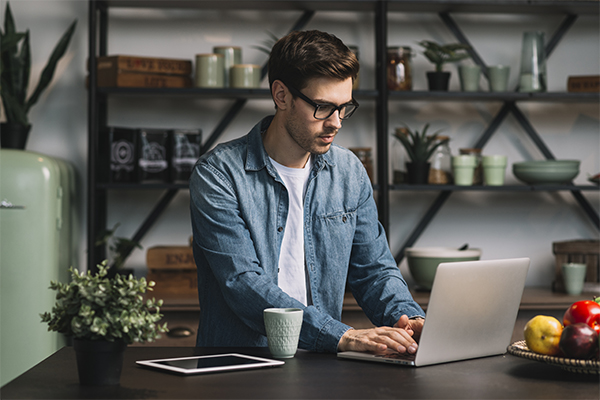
(8,205)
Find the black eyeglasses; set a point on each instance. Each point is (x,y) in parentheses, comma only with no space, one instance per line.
(326,110)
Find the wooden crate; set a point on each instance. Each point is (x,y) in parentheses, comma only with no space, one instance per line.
(576,251)
(584,84)
(172,282)
(173,269)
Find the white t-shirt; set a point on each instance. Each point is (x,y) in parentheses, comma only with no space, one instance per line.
(292,272)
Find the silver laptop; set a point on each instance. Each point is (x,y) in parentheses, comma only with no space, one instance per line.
(471,313)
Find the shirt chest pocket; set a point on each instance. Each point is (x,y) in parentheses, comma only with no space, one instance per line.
(336,229)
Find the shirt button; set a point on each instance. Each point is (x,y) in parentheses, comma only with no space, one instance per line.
(344,219)
(280,229)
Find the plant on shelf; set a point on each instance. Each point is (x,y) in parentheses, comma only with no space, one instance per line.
(119,247)
(15,70)
(102,313)
(440,54)
(419,147)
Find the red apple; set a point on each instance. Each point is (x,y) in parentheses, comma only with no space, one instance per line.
(578,341)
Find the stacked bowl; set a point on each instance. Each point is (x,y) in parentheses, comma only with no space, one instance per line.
(546,171)
(423,261)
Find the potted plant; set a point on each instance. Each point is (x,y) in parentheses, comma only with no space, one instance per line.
(15,69)
(419,148)
(439,55)
(103,315)
(119,247)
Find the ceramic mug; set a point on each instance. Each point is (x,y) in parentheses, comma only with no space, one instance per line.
(283,327)
(245,76)
(574,277)
(209,71)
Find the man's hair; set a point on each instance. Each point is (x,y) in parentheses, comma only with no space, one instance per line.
(303,55)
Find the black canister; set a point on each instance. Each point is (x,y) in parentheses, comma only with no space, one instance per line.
(122,155)
(185,151)
(153,145)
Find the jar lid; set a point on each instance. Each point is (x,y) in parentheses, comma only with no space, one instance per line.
(470,151)
(440,137)
(401,131)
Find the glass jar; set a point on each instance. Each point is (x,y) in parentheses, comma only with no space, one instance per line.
(399,158)
(478,175)
(440,171)
(399,70)
(365,155)
(355,84)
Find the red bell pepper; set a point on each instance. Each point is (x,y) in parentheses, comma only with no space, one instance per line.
(586,311)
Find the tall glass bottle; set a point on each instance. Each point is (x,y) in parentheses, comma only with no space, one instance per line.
(533,63)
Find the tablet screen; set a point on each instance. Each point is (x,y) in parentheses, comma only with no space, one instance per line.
(212,363)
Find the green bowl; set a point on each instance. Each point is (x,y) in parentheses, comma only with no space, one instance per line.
(423,261)
(533,176)
(551,164)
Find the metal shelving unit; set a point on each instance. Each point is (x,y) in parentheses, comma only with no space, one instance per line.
(99,97)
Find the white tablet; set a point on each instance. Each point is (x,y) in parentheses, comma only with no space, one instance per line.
(210,363)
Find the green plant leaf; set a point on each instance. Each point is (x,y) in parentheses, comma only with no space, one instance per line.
(48,71)
(23,71)
(9,21)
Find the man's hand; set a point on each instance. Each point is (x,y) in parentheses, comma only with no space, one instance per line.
(382,339)
(412,325)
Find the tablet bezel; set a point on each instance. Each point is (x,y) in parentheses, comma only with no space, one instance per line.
(263,362)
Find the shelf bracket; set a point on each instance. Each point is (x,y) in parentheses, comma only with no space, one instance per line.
(431,212)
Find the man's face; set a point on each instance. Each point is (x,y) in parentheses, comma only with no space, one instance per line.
(312,135)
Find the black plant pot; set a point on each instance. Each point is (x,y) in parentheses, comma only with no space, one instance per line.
(438,81)
(417,172)
(99,362)
(14,136)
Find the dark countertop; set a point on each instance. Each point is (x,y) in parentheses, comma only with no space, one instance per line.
(310,376)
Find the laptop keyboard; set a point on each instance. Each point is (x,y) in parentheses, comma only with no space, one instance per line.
(398,356)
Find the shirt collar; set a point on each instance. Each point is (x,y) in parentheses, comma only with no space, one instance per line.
(257,157)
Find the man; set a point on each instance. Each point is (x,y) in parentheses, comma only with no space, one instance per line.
(283,218)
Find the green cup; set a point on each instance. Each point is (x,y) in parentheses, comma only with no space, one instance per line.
(494,169)
(469,77)
(283,327)
(574,277)
(498,76)
(463,167)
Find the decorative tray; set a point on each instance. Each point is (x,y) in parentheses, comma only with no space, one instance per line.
(520,349)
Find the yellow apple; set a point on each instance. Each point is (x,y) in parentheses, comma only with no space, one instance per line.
(542,335)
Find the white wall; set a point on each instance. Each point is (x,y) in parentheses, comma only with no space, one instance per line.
(503,224)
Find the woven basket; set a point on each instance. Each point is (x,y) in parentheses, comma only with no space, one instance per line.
(520,349)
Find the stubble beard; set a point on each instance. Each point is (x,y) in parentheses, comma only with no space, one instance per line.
(304,138)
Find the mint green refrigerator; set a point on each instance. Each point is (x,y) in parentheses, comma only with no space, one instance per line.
(38,217)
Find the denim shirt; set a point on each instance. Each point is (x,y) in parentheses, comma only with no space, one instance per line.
(239,208)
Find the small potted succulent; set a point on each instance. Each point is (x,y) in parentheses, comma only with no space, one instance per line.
(439,55)
(103,315)
(419,148)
